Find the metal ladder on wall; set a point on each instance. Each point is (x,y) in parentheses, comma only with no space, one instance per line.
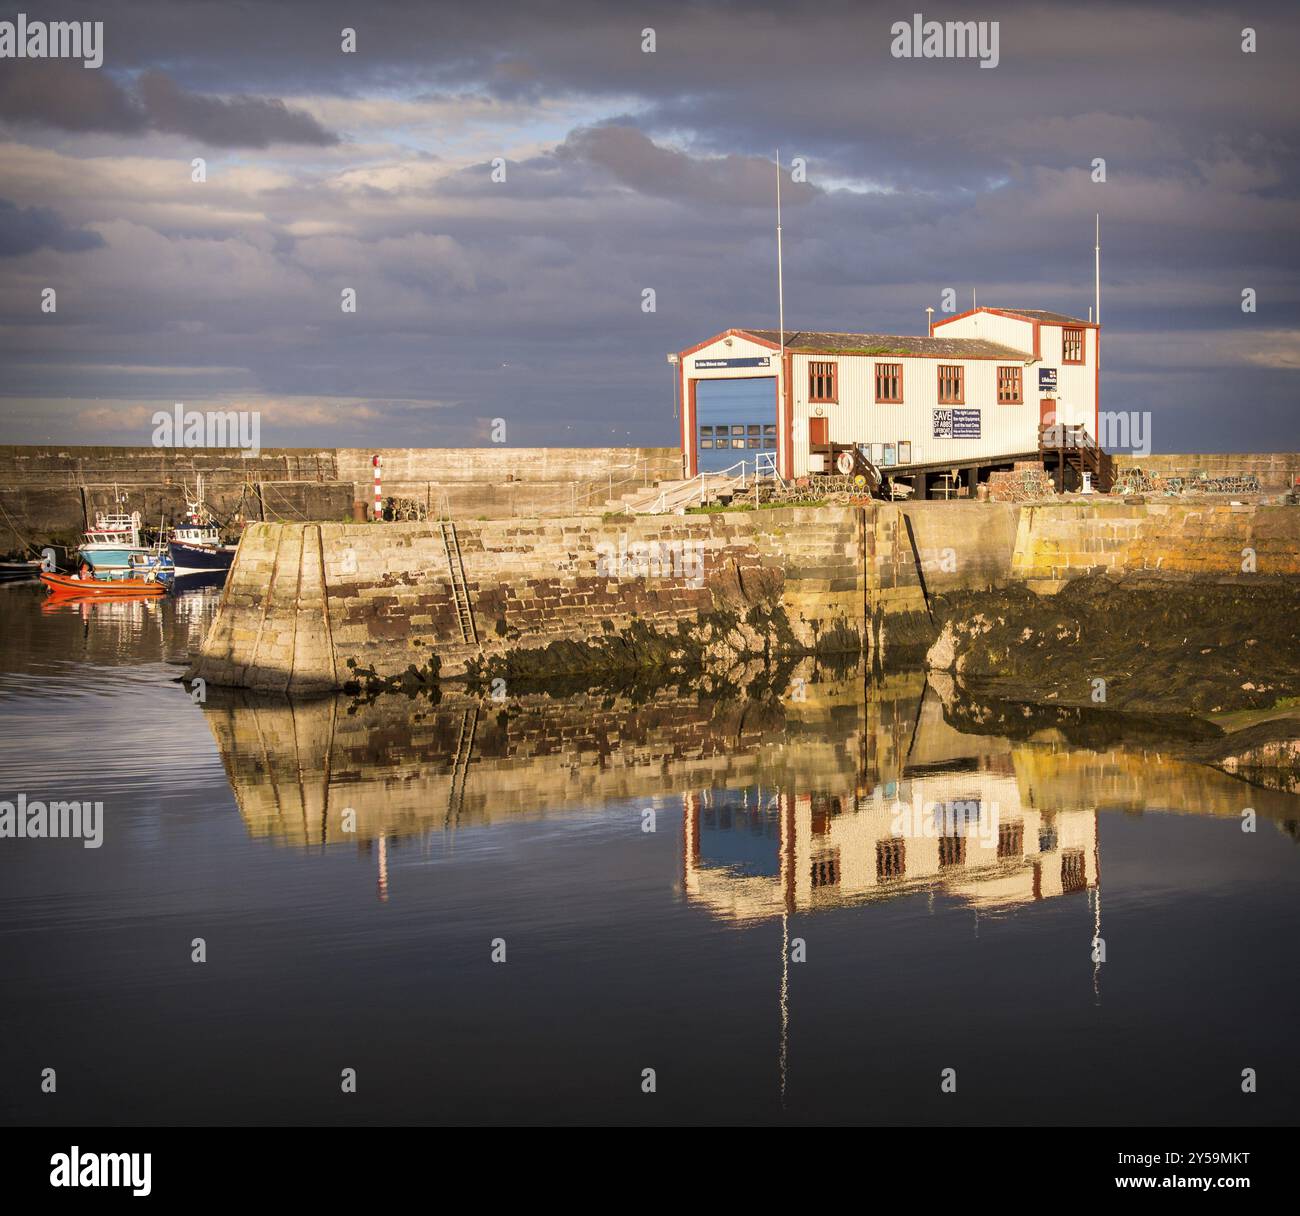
(460,765)
(459,589)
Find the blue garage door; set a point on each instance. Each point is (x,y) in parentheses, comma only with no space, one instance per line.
(734,420)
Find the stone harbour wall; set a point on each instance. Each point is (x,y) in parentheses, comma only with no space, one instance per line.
(1214,540)
(1275,470)
(308,606)
(301,600)
(47,492)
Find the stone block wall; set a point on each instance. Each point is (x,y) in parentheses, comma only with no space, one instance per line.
(503,482)
(303,599)
(69,466)
(1275,470)
(917,550)
(46,490)
(1218,540)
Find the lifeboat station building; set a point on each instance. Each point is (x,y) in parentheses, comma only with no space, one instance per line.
(967,399)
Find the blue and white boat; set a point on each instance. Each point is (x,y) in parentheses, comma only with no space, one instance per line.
(195,545)
(109,546)
(153,563)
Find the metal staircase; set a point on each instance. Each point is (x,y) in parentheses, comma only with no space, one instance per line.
(459,589)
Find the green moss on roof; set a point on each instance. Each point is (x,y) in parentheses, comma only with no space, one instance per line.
(872,350)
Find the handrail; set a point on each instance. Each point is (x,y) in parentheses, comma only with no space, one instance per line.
(705,473)
(702,478)
(1060,436)
(594,487)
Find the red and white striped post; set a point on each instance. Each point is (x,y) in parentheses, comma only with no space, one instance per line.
(378,462)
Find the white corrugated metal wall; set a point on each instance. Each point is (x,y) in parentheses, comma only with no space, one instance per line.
(858,418)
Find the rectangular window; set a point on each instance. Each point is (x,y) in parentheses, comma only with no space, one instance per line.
(952,851)
(889,383)
(1072,346)
(1011,389)
(891,859)
(1011,840)
(822,384)
(1073,877)
(706,436)
(951,385)
(769,436)
(826,869)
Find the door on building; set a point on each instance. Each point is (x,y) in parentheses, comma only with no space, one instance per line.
(818,432)
(1047,411)
(735,420)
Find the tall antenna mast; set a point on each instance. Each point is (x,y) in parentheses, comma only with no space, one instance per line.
(1096,254)
(1096,250)
(780,268)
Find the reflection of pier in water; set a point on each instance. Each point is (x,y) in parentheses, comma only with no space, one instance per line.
(840,797)
(792,804)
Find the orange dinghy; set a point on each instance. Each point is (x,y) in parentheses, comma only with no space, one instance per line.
(63,584)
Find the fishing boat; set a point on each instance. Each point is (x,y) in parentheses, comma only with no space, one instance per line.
(76,585)
(154,563)
(195,545)
(108,546)
(17,572)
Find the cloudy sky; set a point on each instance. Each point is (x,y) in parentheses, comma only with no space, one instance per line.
(626,170)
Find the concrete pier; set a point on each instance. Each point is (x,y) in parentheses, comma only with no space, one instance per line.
(47,492)
(305,604)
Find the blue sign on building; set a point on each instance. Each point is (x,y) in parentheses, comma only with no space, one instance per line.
(1047,379)
(712,364)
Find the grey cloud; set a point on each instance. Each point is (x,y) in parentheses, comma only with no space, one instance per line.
(66,97)
(25,229)
(635,160)
(240,122)
(740,72)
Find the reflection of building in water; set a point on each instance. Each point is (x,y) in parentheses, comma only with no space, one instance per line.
(830,763)
(751,854)
(928,807)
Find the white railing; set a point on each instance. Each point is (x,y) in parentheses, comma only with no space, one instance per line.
(576,499)
(764,466)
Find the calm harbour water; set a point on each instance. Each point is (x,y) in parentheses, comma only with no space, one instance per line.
(626,949)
